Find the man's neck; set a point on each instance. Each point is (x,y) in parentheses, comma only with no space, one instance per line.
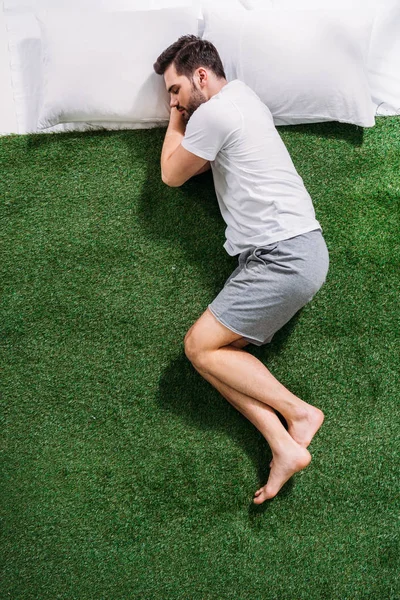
(216,87)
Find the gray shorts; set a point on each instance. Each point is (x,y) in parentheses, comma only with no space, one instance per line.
(270,285)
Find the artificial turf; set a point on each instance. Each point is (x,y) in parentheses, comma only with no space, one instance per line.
(124,474)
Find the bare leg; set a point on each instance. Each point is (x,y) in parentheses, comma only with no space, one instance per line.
(288,456)
(208,347)
(247,383)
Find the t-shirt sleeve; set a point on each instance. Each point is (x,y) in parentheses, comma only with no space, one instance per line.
(209,130)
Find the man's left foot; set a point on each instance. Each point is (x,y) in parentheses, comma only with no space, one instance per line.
(290,460)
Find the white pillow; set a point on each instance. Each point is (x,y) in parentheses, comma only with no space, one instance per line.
(311,4)
(384,59)
(383,62)
(25,53)
(98,66)
(25,57)
(14,6)
(306,66)
(249,4)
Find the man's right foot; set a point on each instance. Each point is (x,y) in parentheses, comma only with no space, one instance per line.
(303,428)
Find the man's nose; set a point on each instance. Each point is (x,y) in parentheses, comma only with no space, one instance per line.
(173,102)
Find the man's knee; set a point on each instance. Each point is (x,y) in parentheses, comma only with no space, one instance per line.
(194,350)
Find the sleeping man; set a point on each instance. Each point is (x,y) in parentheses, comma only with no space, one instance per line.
(271,227)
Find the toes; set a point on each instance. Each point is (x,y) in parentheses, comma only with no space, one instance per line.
(258,499)
(260,496)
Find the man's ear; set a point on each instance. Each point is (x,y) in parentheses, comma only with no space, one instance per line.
(203,75)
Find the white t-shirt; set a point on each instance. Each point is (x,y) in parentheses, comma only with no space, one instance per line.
(261,196)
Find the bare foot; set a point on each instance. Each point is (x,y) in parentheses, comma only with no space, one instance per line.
(290,460)
(303,428)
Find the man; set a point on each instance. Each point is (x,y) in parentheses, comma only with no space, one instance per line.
(271,226)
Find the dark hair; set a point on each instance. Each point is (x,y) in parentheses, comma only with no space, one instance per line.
(187,54)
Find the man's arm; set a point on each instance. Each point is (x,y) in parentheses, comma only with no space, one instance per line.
(177,164)
(173,137)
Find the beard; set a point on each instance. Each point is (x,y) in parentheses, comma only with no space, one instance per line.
(196,98)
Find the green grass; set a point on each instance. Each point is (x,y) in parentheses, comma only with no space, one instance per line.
(124,474)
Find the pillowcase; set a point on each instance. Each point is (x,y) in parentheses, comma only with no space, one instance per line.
(311,4)
(24,45)
(306,66)
(222,5)
(384,59)
(24,42)
(249,4)
(20,6)
(383,62)
(98,66)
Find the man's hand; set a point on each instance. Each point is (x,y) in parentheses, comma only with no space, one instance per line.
(176,121)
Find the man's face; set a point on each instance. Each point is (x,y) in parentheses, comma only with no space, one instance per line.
(183,92)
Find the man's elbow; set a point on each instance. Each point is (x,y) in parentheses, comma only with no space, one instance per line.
(169,182)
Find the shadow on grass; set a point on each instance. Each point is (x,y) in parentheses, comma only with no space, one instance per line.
(184,392)
(353,134)
(187,217)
